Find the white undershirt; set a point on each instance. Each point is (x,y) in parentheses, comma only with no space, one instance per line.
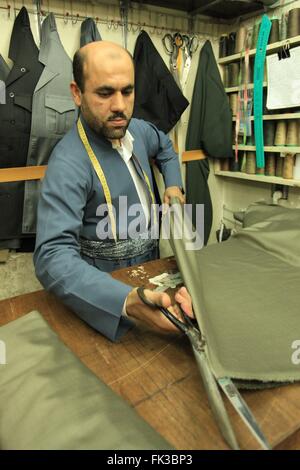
(125,151)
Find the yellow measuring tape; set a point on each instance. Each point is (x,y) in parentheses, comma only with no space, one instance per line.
(98,169)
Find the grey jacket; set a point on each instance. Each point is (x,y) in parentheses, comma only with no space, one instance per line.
(89,32)
(53,112)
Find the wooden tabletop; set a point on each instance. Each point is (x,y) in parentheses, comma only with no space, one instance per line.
(157,374)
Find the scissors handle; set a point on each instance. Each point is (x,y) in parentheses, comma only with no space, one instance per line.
(191,43)
(180,325)
(168,43)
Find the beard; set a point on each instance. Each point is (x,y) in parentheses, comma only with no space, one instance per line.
(102,128)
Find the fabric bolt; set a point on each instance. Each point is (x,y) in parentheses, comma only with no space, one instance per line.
(53,112)
(15,120)
(50,400)
(158,99)
(209,129)
(69,210)
(246,296)
(89,32)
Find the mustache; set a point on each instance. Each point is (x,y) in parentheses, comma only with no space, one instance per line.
(117,116)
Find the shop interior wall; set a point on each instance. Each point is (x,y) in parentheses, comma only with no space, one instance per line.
(156,21)
(238,194)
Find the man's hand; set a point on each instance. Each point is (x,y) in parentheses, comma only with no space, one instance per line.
(173,191)
(153,317)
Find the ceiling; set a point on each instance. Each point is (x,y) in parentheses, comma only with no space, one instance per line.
(226,9)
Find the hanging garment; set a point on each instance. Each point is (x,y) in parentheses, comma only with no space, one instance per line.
(53,112)
(4,69)
(89,32)
(15,121)
(209,129)
(158,98)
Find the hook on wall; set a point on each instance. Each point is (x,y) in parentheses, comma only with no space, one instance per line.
(8,10)
(74,20)
(109,23)
(66,17)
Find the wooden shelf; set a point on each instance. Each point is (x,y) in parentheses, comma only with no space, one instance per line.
(270,48)
(234,89)
(274,117)
(8,175)
(192,155)
(259,178)
(277,148)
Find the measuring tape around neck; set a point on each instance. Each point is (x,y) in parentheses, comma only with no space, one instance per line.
(101,176)
(98,169)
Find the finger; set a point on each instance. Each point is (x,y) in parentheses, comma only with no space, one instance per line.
(185,304)
(187,308)
(158,298)
(166,200)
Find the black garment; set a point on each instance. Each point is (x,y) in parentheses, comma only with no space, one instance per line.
(89,32)
(209,129)
(210,123)
(4,69)
(15,121)
(158,98)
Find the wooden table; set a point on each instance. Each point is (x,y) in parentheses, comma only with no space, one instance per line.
(158,376)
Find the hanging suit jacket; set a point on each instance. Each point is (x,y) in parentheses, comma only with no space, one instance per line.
(209,129)
(89,32)
(70,196)
(15,121)
(4,69)
(53,112)
(158,98)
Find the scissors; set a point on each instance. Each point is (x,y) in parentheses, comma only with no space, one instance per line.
(186,326)
(174,45)
(190,45)
(198,344)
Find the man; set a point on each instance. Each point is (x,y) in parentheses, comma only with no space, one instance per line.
(104,156)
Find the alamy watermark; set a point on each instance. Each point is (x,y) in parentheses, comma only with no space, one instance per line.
(295,358)
(2,93)
(132,222)
(2,352)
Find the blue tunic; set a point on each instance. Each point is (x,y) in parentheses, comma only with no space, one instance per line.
(70,195)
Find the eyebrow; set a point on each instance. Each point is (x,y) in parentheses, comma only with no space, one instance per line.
(109,89)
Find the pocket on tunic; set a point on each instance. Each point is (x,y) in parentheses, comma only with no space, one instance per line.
(60,113)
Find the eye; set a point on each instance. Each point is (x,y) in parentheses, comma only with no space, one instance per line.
(127,92)
(104,94)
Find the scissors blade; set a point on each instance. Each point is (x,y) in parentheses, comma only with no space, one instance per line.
(186,69)
(215,399)
(243,410)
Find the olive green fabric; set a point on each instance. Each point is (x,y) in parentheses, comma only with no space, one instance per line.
(50,400)
(246,296)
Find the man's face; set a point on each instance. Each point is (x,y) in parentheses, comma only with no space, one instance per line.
(108,97)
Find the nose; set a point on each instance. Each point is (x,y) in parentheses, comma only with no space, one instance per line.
(118,102)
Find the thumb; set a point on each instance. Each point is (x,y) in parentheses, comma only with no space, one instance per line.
(159,298)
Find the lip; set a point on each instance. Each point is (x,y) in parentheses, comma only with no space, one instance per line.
(118,122)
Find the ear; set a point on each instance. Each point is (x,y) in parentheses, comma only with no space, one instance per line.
(76,93)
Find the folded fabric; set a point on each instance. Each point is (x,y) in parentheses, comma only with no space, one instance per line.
(50,400)
(246,296)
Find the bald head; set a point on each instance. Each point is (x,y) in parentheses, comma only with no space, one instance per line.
(103,87)
(92,55)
